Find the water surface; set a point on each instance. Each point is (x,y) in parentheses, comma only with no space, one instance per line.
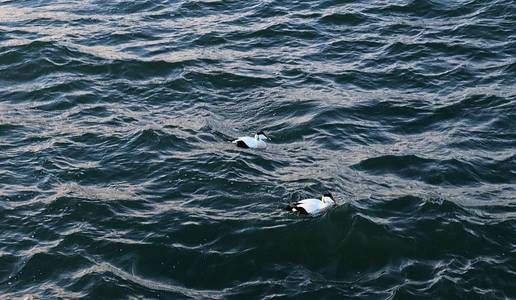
(118,180)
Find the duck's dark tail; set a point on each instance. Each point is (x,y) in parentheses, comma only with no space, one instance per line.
(297,209)
(289,207)
(241,144)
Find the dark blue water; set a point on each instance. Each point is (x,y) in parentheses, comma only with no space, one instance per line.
(118,180)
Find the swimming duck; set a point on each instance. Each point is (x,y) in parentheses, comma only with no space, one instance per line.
(258,142)
(312,206)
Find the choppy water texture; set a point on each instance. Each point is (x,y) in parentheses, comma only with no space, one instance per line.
(118,180)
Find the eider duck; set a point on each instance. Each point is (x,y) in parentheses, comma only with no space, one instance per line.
(258,142)
(312,207)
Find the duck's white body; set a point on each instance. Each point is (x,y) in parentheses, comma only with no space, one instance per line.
(258,142)
(312,206)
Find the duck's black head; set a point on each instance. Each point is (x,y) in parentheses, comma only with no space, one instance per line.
(329,196)
(262,135)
